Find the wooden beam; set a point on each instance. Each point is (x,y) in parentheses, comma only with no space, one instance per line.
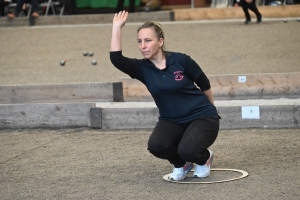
(256,86)
(274,113)
(229,87)
(234,13)
(56,93)
(129,118)
(134,90)
(45,115)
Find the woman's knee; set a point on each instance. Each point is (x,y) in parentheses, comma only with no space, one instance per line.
(188,154)
(155,146)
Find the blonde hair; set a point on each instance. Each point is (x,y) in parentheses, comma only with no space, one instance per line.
(157,28)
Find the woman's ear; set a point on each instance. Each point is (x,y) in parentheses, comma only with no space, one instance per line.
(161,42)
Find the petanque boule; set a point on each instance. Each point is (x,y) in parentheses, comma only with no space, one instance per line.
(285,20)
(91,53)
(85,53)
(94,62)
(298,19)
(62,62)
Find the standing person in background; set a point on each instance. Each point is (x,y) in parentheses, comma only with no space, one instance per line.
(188,123)
(70,7)
(120,6)
(3,4)
(21,4)
(250,4)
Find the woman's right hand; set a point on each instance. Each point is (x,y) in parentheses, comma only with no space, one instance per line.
(116,36)
(120,19)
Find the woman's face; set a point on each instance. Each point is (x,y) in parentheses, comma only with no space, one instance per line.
(148,43)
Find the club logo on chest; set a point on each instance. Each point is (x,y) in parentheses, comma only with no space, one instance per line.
(178,75)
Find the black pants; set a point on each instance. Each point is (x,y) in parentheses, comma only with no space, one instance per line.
(20,3)
(179,144)
(120,5)
(2,7)
(70,7)
(251,6)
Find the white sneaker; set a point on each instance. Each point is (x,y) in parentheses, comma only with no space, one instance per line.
(180,173)
(202,171)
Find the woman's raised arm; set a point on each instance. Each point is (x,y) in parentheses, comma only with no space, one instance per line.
(116,36)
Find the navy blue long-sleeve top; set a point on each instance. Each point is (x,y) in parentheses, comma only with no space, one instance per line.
(173,89)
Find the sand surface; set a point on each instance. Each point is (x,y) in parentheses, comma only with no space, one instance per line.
(95,164)
(32,55)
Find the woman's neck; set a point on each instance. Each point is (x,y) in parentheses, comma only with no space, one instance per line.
(159,61)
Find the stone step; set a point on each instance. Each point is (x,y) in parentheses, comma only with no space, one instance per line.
(275,113)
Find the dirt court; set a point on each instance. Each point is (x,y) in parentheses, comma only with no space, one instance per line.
(94,164)
(32,54)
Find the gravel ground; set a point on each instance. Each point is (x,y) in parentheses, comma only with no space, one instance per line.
(31,55)
(94,164)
